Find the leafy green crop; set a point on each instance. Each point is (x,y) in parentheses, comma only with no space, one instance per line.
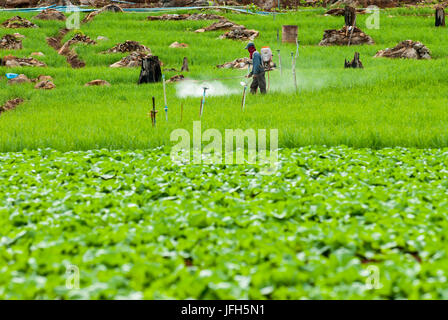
(139,226)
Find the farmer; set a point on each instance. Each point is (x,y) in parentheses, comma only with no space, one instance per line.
(257,70)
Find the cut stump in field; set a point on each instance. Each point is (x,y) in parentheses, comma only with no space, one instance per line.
(150,71)
(46,85)
(240,63)
(11,104)
(240,33)
(185,65)
(112,8)
(176,78)
(178,45)
(10,42)
(178,17)
(407,49)
(129,46)
(440,16)
(355,63)
(18,22)
(131,61)
(51,14)
(12,61)
(97,82)
(349,16)
(21,78)
(342,37)
(220,25)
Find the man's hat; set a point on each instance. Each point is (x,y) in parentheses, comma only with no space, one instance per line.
(250,44)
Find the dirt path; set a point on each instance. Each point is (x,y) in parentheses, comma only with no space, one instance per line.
(71,56)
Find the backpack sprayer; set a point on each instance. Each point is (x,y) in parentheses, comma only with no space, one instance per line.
(266,59)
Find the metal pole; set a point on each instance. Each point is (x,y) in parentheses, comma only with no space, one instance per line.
(294,64)
(164,96)
(279,61)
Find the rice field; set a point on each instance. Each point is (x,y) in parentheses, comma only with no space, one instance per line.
(389,103)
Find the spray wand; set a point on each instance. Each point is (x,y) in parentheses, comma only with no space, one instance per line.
(244,84)
(202,102)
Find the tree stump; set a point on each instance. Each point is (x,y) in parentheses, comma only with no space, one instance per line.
(151,71)
(349,16)
(185,65)
(355,63)
(440,16)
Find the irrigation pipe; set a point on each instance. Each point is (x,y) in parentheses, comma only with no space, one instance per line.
(84,8)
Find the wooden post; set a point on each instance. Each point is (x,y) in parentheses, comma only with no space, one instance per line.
(355,63)
(351,32)
(349,16)
(440,16)
(185,65)
(153,112)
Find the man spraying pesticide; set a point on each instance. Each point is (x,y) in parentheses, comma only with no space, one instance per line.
(258,72)
(266,59)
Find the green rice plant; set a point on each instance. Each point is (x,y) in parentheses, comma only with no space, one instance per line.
(389,103)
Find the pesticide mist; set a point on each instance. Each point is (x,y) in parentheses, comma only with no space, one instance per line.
(188,88)
(307,80)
